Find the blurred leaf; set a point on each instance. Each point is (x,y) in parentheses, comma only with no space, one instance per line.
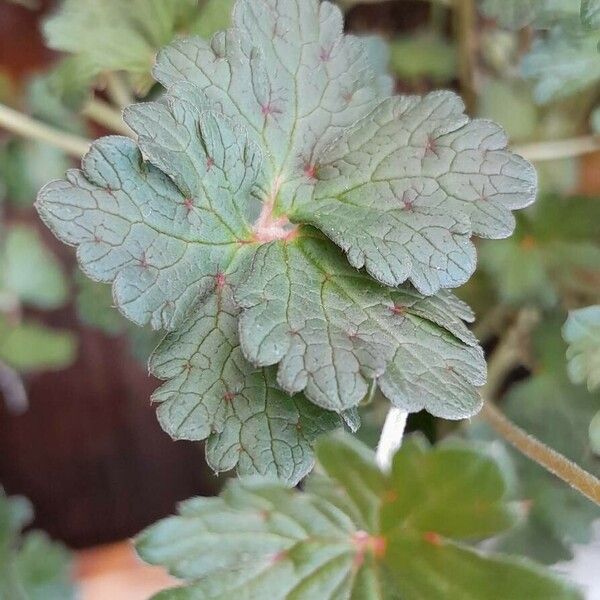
(215,15)
(423,55)
(582,333)
(355,533)
(590,13)
(518,13)
(564,62)
(510,104)
(29,346)
(559,413)
(25,166)
(595,434)
(125,35)
(30,271)
(554,252)
(95,306)
(31,566)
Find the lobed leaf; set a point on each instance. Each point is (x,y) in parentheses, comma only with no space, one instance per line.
(205,228)
(582,333)
(259,539)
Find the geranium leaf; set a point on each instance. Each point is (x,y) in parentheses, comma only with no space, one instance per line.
(582,333)
(256,141)
(30,271)
(262,540)
(215,393)
(32,567)
(562,63)
(332,331)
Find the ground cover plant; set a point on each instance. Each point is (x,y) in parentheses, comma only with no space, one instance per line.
(301,243)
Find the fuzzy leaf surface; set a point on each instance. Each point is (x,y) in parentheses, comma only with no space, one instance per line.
(276,127)
(332,331)
(582,333)
(278,543)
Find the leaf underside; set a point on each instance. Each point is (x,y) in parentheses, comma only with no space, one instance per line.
(354,533)
(276,165)
(582,333)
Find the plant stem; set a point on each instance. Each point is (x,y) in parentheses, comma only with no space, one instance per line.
(25,126)
(104,114)
(552,461)
(391,438)
(507,356)
(118,91)
(465,19)
(555,150)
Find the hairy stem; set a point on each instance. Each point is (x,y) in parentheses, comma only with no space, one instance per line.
(555,150)
(105,115)
(391,438)
(507,356)
(552,461)
(25,126)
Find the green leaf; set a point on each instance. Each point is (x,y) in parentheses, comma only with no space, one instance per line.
(519,13)
(555,251)
(417,349)
(563,63)
(115,34)
(30,271)
(590,13)
(31,566)
(423,55)
(559,413)
(29,347)
(582,333)
(95,306)
(26,166)
(214,16)
(214,393)
(262,540)
(277,124)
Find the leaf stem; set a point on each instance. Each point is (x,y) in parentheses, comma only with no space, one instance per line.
(27,127)
(507,356)
(557,149)
(103,113)
(391,438)
(550,459)
(117,90)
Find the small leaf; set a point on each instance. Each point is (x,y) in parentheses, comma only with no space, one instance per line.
(554,252)
(32,347)
(31,566)
(30,271)
(563,63)
(262,540)
(423,55)
(582,333)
